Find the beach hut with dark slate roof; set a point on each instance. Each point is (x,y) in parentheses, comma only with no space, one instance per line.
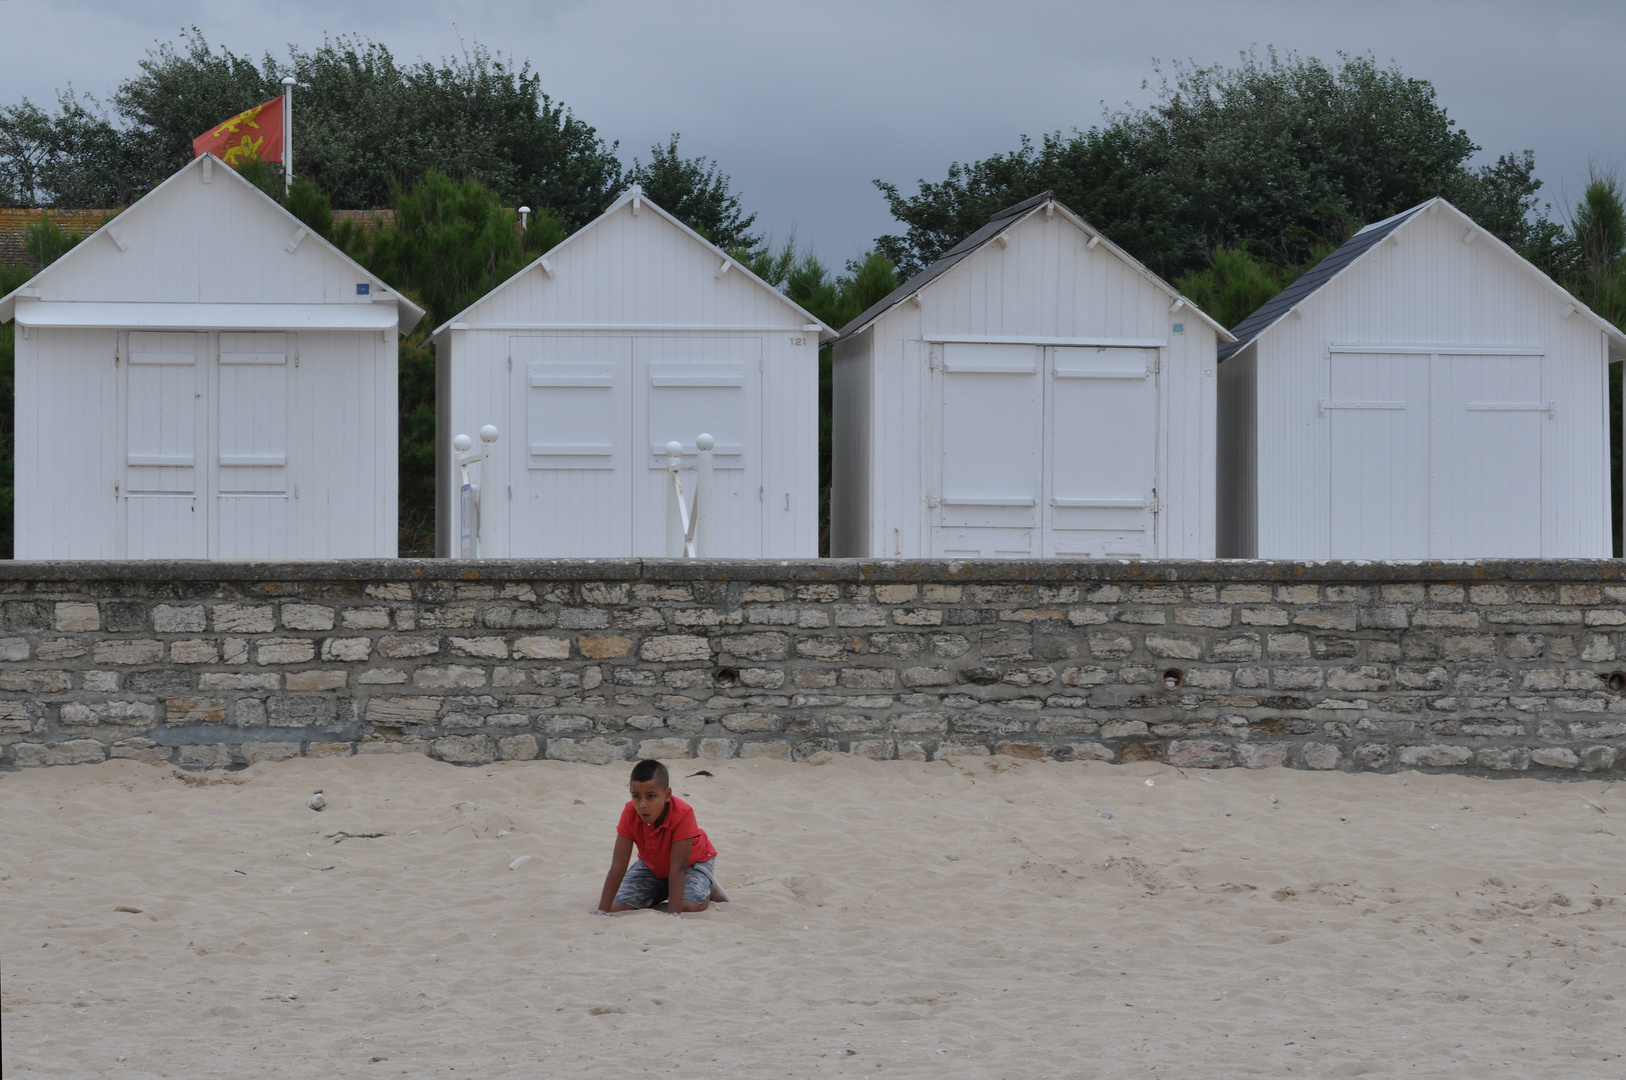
(1036,392)
(1422,393)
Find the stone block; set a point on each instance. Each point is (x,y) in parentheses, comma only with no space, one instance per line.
(595,751)
(1464,647)
(1025,750)
(1123,729)
(452,618)
(1174,647)
(1086,752)
(254,752)
(758,647)
(466,749)
(749,721)
(193,652)
(555,648)
(717,749)
(1289,646)
(1261,755)
(1214,617)
(927,676)
(775,750)
(301,711)
(1342,618)
(1360,678)
(100,682)
(71,752)
(1244,594)
(403,648)
(368,618)
(127,651)
(328,749)
(138,749)
(1321,756)
(856,616)
(316,680)
(1489,595)
(918,617)
(674,648)
(1296,678)
(1554,757)
(36,682)
(1242,647)
(919,723)
(518,747)
(896,594)
(204,756)
(483,648)
(192,710)
(941,594)
(231,680)
(869,678)
(244,618)
(307,617)
(17,717)
(1433,618)
(284,651)
(667,749)
(1199,754)
(874,749)
(1437,756)
(74,617)
(452,676)
(1504,758)
(347,650)
(1597,758)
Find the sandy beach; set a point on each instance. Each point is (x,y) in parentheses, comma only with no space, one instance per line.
(984,917)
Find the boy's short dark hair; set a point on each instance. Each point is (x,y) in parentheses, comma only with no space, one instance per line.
(650,769)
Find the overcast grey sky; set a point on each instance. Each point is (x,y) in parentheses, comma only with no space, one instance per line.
(805,103)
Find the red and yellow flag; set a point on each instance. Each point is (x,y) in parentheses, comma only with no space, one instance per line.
(255,132)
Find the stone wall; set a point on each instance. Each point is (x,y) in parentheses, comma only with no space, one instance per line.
(1497,666)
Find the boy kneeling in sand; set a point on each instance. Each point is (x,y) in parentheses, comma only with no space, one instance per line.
(668,838)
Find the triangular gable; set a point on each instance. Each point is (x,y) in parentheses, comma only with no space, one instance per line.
(408,313)
(999,223)
(635,194)
(1323,273)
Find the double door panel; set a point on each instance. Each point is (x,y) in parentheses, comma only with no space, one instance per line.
(1044,451)
(1435,455)
(598,412)
(205,422)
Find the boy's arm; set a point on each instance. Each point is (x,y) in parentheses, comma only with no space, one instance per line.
(618,870)
(674,878)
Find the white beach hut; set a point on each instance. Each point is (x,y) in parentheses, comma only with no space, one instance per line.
(203,378)
(1421,393)
(631,334)
(1035,392)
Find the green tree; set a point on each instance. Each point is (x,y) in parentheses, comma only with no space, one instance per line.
(695,191)
(1275,155)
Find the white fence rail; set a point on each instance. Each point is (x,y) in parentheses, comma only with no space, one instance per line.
(473,529)
(690,524)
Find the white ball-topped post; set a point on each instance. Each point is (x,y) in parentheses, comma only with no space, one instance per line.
(705,489)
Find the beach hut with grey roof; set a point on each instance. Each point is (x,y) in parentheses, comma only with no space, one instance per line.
(1036,392)
(203,377)
(1422,393)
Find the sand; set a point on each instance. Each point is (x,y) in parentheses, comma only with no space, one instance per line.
(981,918)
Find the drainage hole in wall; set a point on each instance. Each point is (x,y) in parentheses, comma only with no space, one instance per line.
(1617,682)
(726,676)
(1174,678)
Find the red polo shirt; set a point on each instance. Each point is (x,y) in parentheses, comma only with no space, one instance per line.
(655,841)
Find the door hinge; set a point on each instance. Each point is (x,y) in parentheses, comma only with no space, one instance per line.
(934,357)
(1155,364)
(1152,504)
(510,363)
(759,494)
(932,501)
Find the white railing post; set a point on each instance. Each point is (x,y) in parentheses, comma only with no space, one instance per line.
(705,514)
(473,530)
(488,486)
(676,527)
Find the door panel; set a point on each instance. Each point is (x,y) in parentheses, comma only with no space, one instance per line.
(572,466)
(990,450)
(1488,421)
(686,385)
(251,433)
(164,407)
(1101,455)
(1378,428)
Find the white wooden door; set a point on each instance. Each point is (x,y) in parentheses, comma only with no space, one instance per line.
(165,489)
(1489,415)
(1377,417)
(571,468)
(252,489)
(686,385)
(990,449)
(1101,453)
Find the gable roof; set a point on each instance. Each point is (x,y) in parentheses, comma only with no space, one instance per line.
(636,192)
(1322,273)
(408,314)
(997,224)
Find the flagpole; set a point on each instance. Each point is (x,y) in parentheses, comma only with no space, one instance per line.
(287,133)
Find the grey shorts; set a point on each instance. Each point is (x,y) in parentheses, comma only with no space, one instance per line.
(642,889)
